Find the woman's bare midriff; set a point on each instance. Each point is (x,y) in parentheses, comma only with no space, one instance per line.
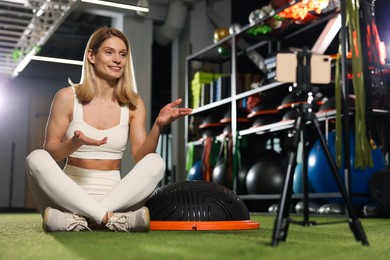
(95,164)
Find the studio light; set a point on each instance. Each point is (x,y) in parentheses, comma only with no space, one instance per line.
(1,98)
(31,56)
(118,5)
(57,60)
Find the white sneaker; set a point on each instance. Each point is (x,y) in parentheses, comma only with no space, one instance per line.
(137,221)
(57,221)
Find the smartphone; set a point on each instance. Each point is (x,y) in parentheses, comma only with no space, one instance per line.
(286,67)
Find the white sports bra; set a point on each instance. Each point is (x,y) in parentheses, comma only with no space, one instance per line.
(117,135)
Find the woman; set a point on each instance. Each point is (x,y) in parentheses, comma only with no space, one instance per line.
(89,125)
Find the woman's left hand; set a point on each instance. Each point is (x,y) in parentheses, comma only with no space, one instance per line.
(170,113)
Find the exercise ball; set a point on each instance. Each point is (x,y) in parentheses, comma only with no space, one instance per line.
(379,186)
(321,177)
(210,126)
(298,180)
(196,171)
(211,120)
(330,104)
(265,120)
(222,174)
(265,177)
(244,167)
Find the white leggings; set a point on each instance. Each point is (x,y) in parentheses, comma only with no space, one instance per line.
(51,186)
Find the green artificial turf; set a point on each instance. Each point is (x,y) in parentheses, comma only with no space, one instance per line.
(21,237)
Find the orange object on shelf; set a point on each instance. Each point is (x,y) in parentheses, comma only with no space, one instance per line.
(300,10)
(334,56)
(203,225)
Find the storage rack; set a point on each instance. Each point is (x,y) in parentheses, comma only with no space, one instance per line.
(210,55)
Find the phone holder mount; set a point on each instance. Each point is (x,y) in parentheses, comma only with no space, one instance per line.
(297,134)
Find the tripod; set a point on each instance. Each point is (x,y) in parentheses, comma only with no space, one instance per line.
(306,115)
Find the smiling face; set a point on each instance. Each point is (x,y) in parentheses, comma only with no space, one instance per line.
(110,59)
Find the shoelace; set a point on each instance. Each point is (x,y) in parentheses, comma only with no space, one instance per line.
(118,223)
(76,223)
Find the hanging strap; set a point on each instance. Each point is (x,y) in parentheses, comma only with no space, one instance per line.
(363,157)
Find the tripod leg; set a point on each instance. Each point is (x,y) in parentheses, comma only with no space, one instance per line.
(282,222)
(354,223)
(306,221)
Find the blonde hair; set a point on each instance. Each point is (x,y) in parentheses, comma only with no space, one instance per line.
(125,90)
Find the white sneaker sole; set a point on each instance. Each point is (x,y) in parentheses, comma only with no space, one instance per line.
(147,219)
(46,219)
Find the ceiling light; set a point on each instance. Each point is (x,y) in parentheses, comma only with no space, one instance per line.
(40,12)
(118,5)
(144,3)
(57,60)
(22,2)
(26,60)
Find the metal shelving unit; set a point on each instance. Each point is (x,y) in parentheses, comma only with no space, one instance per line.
(211,55)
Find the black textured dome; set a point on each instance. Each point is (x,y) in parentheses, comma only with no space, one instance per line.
(196,201)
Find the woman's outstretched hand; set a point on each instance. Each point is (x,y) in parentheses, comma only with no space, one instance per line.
(81,139)
(170,113)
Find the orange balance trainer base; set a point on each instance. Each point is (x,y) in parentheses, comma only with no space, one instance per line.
(203,225)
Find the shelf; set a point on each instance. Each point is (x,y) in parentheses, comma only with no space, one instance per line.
(380,112)
(200,141)
(236,97)
(274,127)
(286,124)
(210,53)
(212,105)
(294,196)
(260,46)
(258,90)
